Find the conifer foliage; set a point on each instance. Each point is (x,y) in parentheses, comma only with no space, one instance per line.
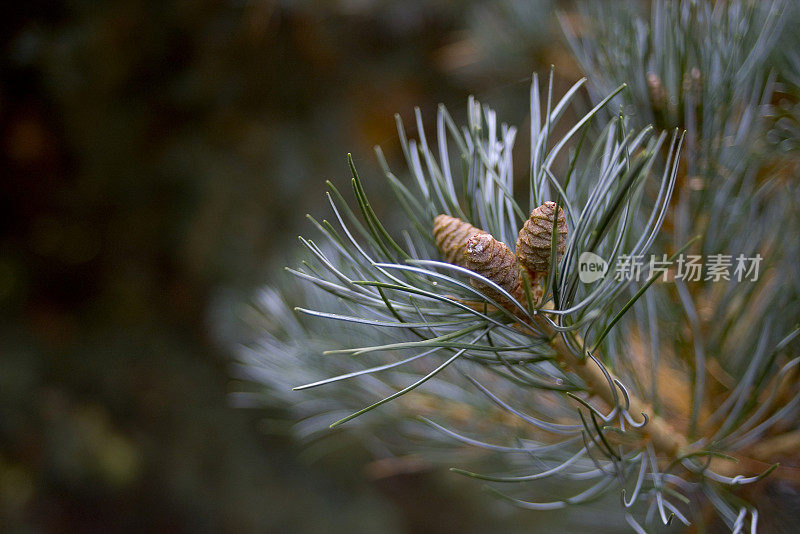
(471,328)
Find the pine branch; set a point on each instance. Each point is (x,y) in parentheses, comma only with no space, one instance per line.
(589,365)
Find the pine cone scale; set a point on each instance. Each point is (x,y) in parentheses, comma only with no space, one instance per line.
(451,236)
(495,261)
(535,239)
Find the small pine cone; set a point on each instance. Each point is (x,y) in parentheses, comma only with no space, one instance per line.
(451,236)
(533,242)
(494,260)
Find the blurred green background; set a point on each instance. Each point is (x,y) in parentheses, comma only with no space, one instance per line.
(157,161)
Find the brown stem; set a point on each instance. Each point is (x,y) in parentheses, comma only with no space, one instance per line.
(665,438)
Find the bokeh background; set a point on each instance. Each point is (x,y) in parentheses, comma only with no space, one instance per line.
(157,162)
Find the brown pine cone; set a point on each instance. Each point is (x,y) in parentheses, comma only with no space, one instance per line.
(533,242)
(494,260)
(451,236)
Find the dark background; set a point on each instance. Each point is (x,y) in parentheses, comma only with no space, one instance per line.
(157,161)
